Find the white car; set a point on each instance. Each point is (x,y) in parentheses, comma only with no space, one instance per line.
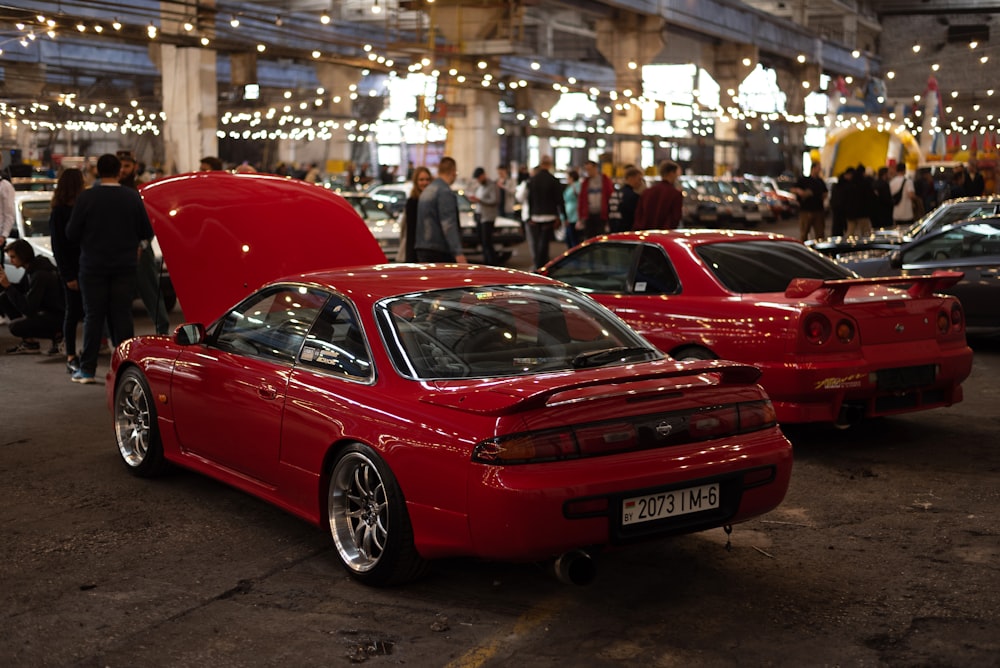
(31,215)
(507,232)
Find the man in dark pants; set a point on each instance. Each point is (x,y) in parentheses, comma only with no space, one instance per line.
(147,278)
(36,313)
(111,226)
(547,210)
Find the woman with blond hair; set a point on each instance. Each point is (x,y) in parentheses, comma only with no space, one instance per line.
(408,229)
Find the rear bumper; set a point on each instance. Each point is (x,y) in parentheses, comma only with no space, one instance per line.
(534,512)
(883,380)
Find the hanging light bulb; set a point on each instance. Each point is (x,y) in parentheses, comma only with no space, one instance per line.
(376,9)
(188,26)
(151,30)
(234,22)
(324,18)
(116,24)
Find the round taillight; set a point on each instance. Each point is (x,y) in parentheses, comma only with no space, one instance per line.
(943,322)
(957,317)
(817,328)
(845,331)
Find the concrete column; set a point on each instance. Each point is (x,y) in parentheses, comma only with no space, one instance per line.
(473,116)
(337,80)
(731,64)
(190,95)
(790,82)
(628,41)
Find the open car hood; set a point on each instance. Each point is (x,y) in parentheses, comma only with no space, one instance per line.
(224,235)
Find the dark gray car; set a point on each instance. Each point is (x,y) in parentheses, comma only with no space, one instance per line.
(971,247)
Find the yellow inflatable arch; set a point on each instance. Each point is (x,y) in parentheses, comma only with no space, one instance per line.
(871,147)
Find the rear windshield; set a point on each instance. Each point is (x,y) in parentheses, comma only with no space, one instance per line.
(504,331)
(766,266)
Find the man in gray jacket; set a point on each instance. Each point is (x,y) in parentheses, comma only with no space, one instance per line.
(439,237)
(486,198)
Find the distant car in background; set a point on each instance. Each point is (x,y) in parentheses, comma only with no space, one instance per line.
(377,216)
(971,247)
(882,242)
(507,232)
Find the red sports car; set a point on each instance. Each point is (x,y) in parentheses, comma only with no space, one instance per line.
(422,411)
(832,347)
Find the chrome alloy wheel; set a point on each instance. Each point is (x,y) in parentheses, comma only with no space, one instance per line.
(358,512)
(133,421)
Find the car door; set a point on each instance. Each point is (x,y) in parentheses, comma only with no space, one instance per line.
(228,395)
(974,250)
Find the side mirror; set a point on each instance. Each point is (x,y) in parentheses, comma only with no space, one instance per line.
(896,260)
(189,334)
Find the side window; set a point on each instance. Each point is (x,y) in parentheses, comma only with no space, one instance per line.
(945,246)
(655,275)
(336,343)
(600,267)
(272,323)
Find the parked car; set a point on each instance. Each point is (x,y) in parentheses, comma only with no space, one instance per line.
(507,232)
(718,204)
(883,242)
(831,347)
(383,225)
(424,412)
(971,247)
(32,209)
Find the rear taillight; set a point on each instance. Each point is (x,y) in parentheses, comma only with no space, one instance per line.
(534,447)
(607,438)
(817,328)
(943,322)
(645,432)
(845,331)
(756,415)
(957,317)
(714,423)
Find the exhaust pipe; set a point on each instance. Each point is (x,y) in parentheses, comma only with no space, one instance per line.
(850,415)
(575,567)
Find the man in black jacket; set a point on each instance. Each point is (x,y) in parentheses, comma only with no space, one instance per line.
(111,225)
(547,208)
(38,312)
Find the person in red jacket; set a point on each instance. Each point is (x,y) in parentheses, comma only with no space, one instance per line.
(660,205)
(592,207)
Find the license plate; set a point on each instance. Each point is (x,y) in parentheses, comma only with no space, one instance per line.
(905,378)
(660,505)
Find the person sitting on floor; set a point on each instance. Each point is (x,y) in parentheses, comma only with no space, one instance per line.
(36,313)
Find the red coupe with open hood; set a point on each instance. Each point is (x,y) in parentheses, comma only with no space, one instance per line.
(832,347)
(422,411)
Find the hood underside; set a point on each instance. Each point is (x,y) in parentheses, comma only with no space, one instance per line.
(224,235)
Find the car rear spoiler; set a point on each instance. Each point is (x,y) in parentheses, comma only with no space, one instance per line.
(514,395)
(832,292)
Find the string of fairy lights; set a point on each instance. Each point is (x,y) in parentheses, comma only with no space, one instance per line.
(302,114)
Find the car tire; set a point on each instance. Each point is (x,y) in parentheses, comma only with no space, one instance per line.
(136,430)
(368,520)
(693,353)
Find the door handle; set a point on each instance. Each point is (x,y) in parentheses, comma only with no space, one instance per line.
(266,392)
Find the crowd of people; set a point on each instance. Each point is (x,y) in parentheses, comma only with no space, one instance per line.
(572,211)
(860,201)
(102,245)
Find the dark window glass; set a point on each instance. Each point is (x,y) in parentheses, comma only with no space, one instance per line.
(272,323)
(602,267)
(336,343)
(747,267)
(654,274)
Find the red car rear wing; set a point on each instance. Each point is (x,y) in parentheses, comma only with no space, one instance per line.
(833,292)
